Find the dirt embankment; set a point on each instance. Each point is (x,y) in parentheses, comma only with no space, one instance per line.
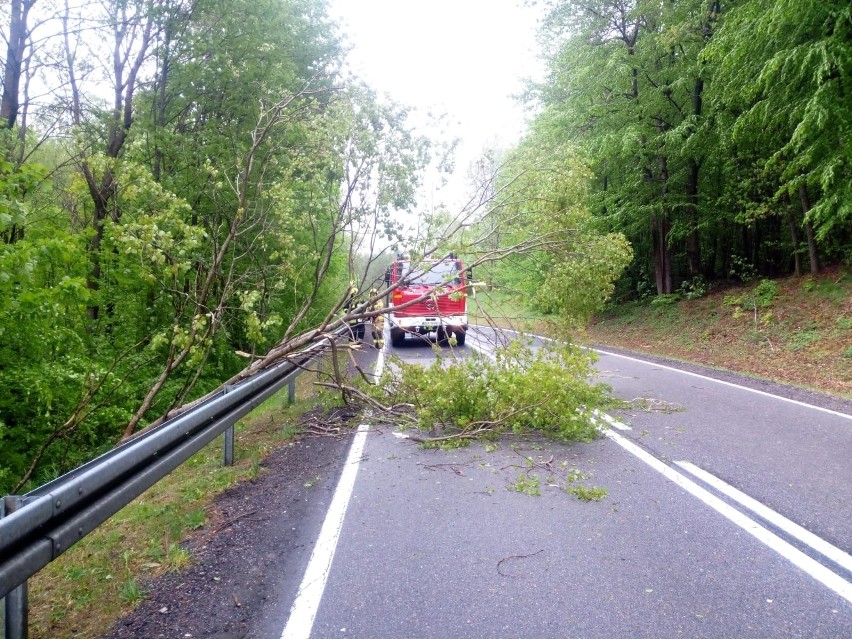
(795,330)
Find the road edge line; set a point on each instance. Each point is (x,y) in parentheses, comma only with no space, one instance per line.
(685,372)
(731,384)
(303,612)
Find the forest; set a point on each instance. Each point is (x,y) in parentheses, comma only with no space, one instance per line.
(717,133)
(178,183)
(189,185)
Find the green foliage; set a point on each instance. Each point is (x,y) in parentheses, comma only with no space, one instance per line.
(131,592)
(761,296)
(587,493)
(527,483)
(827,288)
(521,391)
(780,66)
(694,288)
(665,301)
(765,292)
(716,134)
(741,269)
(803,339)
(222,230)
(573,274)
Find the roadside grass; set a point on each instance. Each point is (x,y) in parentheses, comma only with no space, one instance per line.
(503,309)
(791,330)
(103,577)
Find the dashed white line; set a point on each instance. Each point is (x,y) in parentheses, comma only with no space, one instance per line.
(610,420)
(792,554)
(791,528)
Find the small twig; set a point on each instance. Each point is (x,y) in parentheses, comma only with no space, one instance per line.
(452,467)
(467,435)
(236,601)
(235,519)
(500,563)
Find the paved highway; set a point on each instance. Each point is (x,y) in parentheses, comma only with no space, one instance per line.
(728,514)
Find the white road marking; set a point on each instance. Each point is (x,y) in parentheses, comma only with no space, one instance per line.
(712,379)
(731,384)
(791,528)
(380,364)
(481,350)
(788,551)
(610,420)
(303,612)
(304,609)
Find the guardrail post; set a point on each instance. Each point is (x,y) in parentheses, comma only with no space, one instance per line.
(291,391)
(14,606)
(228,440)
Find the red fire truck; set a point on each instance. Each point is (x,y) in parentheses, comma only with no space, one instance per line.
(439,287)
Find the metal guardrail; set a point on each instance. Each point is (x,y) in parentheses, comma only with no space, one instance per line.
(38,527)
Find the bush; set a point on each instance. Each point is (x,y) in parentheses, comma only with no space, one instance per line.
(694,288)
(741,269)
(665,301)
(765,293)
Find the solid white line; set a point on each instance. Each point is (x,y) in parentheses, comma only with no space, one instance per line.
(712,379)
(791,528)
(788,551)
(719,381)
(481,350)
(304,609)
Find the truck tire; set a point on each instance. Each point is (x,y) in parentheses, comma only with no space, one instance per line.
(397,336)
(460,337)
(443,336)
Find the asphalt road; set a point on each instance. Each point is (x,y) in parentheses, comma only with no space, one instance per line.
(423,543)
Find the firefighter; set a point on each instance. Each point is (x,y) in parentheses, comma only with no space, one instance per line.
(356,327)
(378,320)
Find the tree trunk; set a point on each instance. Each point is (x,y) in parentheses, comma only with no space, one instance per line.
(662,226)
(102,190)
(693,246)
(662,259)
(162,82)
(17,41)
(809,229)
(794,236)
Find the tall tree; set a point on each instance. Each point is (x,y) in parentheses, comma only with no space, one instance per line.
(782,70)
(127,26)
(16,43)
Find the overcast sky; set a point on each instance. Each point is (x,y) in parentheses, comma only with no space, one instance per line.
(463,57)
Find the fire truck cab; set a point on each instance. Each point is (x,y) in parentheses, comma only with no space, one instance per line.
(429,297)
